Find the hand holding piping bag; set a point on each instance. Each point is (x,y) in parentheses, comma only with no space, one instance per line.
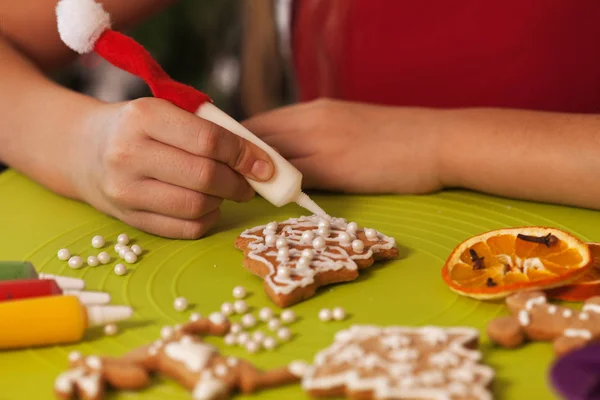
(84,26)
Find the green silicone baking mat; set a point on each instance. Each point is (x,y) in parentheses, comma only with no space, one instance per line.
(35,223)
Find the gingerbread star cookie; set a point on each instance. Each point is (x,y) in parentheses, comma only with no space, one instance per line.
(371,362)
(179,354)
(297,256)
(534,318)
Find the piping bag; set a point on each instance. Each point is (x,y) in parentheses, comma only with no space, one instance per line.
(85,27)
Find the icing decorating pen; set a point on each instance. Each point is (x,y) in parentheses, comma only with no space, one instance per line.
(52,320)
(85,26)
(31,288)
(12,270)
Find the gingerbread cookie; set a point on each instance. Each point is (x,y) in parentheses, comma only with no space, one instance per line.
(297,256)
(371,362)
(534,319)
(180,355)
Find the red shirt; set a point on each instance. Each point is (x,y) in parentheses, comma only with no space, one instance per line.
(534,54)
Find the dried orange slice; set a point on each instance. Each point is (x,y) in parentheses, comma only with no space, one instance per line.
(497,263)
(585,287)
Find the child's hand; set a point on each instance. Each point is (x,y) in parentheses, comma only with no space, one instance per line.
(162,169)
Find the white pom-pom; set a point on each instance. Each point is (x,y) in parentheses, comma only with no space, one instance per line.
(80,23)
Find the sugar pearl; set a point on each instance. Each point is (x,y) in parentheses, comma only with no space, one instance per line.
(243,338)
(344,238)
(93,362)
(258,336)
(252,346)
(281,243)
(123,239)
(217,318)
(284,334)
(75,262)
(137,250)
(283,273)
(180,304)
(195,317)
(323,223)
(240,306)
(92,261)
(371,234)
(118,247)
(303,262)
(230,339)
(325,315)
(307,236)
(270,240)
(265,314)
(269,343)
(124,250)
(98,242)
(339,313)
(274,324)
(248,320)
(221,370)
(283,254)
(235,328)
(318,243)
(358,246)
(227,308)
(324,232)
(120,269)
(271,227)
(308,253)
(352,227)
(74,356)
(130,257)
(64,254)
(104,257)
(166,332)
(288,316)
(111,329)
(239,292)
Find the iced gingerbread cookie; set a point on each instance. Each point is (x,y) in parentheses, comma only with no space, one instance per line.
(371,362)
(297,256)
(179,354)
(534,319)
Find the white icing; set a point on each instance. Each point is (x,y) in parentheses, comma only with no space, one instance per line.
(232,362)
(524,319)
(298,368)
(395,341)
(166,332)
(404,355)
(89,385)
(578,333)
(434,335)
(194,355)
(567,313)
(93,362)
(208,388)
(584,316)
(552,309)
(529,304)
(444,359)
(221,370)
(595,308)
(65,381)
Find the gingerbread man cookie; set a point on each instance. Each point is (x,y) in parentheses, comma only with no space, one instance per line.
(371,362)
(297,256)
(534,319)
(180,355)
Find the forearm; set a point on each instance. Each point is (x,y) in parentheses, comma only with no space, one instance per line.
(39,122)
(549,157)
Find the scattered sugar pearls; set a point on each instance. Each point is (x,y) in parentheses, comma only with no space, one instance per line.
(98,242)
(274,324)
(104,258)
(180,304)
(64,254)
(111,329)
(248,320)
(93,261)
(137,249)
(195,317)
(240,306)
(75,262)
(337,314)
(325,315)
(265,314)
(239,292)
(227,308)
(123,239)
(284,334)
(120,269)
(269,343)
(288,316)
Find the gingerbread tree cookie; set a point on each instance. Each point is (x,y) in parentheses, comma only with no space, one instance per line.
(179,354)
(371,362)
(297,256)
(534,319)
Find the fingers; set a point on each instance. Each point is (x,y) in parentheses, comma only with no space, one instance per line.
(170,227)
(200,174)
(170,125)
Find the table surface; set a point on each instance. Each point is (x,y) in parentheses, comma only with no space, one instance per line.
(408,291)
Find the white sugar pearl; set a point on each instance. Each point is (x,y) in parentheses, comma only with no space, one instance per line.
(284,334)
(235,328)
(123,250)
(358,246)
(271,227)
(281,242)
(180,304)
(307,236)
(227,308)
(258,336)
(352,227)
(269,343)
(325,315)
(104,257)
(239,292)
(75,262)
(274,324)
(195,317)
(283,254)
(98,242)
(137,249)
(308,253)
(123,239)
(217,318)
(92,261)
(323,223)
(74,356)
(118,248)
(64,254)
(371,234)
(240,306)
(270,240)
(166,332)
(120,269)
(318,243)
(324,232)
(339,313)
(265,314)
(130,257)
(288,316)
(111,329)
(344,238)
(93,362)
(230,339)
(252,346)
(248,320)
(283,273)
(243,338)
(304,262)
